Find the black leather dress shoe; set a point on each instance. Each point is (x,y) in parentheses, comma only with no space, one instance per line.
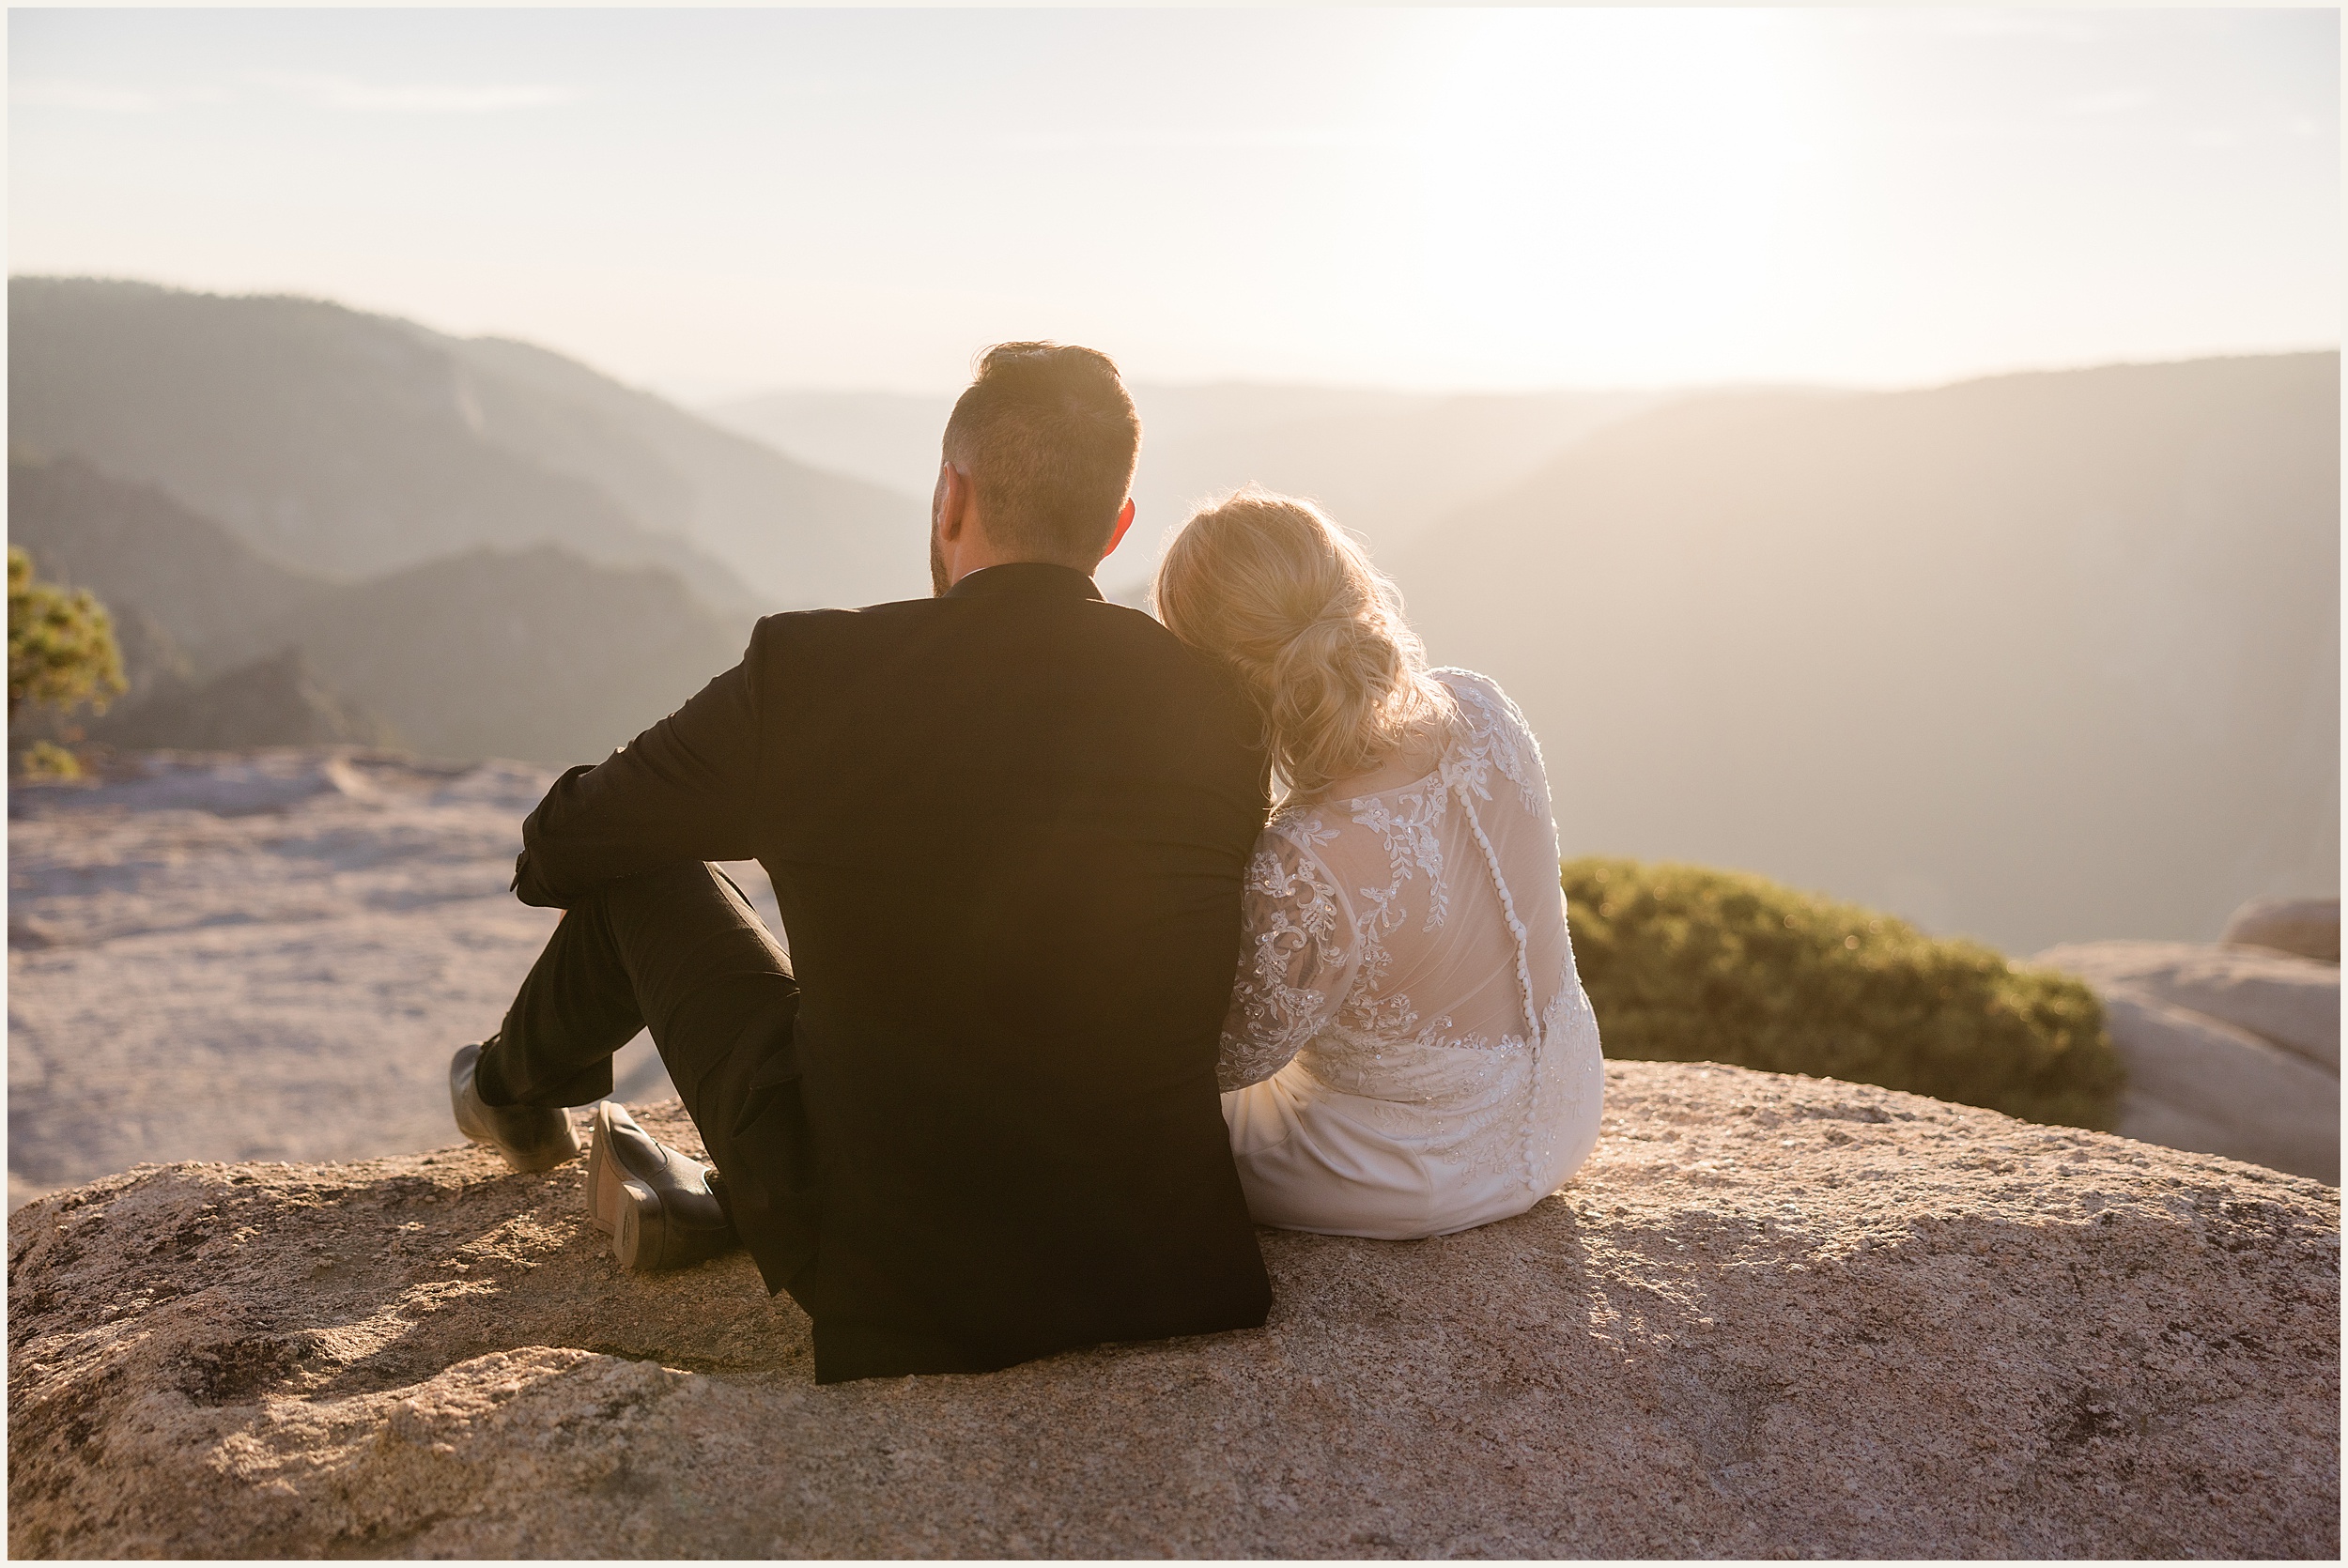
(661,1209)
(530,1137)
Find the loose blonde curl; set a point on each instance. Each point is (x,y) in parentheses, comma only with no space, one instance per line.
(1270,586)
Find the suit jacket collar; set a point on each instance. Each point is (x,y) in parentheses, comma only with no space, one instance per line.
(1039,578)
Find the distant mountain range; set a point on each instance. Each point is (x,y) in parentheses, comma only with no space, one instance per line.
(475,546)
(1386,465)
(537,653)
(2026,656)
(2035,658)
(350,444)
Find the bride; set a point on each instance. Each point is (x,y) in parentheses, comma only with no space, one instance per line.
(1408,1051)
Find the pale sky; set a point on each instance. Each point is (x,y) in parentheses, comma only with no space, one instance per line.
(719,202)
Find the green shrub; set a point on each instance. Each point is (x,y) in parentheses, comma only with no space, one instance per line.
(61,645)
(1688,965)
(48,759)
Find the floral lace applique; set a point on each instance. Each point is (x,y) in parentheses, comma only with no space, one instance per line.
(1497,737)
(1297,950)
(1413,850)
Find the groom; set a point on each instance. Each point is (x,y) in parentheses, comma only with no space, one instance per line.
(970,1118)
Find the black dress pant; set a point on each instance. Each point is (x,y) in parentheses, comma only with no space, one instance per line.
(678,950)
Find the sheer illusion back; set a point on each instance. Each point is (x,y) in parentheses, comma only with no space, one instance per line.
(1409,1050)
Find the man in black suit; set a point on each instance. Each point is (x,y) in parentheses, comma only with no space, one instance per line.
(971,1116)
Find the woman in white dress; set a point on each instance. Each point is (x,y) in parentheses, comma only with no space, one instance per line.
(1408,1051)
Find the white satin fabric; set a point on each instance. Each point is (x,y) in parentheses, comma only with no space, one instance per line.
(1408,1051)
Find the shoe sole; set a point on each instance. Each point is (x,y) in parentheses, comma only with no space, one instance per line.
(641,1239)
(603,1176)
(631,1214)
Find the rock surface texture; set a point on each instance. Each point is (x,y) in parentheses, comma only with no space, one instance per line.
(1772,1315)
(2230,1050)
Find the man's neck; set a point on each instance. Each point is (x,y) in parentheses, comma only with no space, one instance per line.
(965,567)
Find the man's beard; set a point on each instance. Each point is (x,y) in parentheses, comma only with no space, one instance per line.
(937,568)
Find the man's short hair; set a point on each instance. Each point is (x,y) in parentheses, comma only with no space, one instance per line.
(1048,439)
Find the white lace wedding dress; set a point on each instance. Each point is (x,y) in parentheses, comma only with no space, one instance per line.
(1408,1050)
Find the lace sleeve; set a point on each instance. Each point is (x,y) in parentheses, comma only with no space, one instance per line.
(1298,957)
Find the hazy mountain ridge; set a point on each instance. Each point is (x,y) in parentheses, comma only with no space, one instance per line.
(1386,464)
(884,438)
(350,444)
(2020,656)
(803,535)
(537,654)
(276,699)
(535,547)
(143,553)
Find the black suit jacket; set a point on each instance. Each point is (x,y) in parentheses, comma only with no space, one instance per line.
(1007,828)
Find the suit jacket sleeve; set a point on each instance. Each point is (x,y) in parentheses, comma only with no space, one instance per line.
(681,791)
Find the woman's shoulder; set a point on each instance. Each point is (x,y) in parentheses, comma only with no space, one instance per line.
(1460,679)
(1492,731)
(1482,702)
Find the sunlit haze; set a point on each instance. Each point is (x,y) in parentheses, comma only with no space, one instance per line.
(713,203)
(1865,480)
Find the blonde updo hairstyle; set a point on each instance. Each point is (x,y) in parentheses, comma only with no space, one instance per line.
(1270,586)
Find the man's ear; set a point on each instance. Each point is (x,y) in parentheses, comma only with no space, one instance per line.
(953,500)
(1125,521)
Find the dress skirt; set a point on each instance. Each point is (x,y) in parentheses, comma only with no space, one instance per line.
(1316,1157)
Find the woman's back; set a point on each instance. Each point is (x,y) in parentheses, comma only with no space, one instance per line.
(1409,1050)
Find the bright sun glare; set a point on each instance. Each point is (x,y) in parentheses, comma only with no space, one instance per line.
(1612,186)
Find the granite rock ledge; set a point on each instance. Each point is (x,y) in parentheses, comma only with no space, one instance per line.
(1773,1316)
